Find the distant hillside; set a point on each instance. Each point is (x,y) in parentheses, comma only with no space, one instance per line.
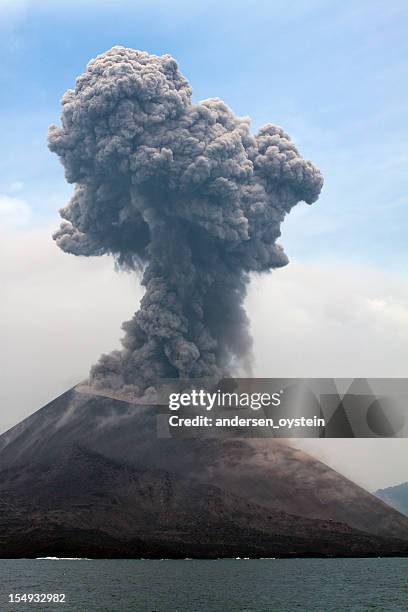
(397,497)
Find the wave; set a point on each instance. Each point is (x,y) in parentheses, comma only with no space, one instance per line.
(62,559)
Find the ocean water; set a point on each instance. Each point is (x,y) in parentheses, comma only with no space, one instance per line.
(229,585)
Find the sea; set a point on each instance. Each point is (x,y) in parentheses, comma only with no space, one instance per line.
(224,585)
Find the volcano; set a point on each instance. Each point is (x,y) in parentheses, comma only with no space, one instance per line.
(88,476)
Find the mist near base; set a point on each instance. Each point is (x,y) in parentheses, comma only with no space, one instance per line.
(183,194)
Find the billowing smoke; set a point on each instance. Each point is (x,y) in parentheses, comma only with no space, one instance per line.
(185,194)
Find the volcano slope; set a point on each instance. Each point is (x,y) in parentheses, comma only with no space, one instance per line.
(88,476)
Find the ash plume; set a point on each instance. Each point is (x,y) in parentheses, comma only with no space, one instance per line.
(183,193)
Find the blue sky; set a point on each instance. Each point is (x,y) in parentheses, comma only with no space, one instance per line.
(332,73)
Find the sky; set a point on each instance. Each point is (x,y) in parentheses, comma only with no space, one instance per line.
(334,75)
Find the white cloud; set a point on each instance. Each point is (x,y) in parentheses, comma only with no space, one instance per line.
(14,212)
(58,314)
(334,319)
